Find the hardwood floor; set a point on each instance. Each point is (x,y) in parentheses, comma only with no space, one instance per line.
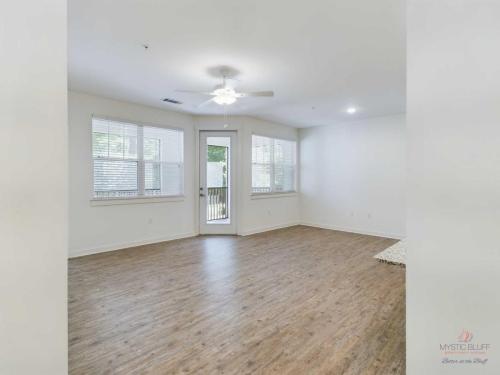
(299,300)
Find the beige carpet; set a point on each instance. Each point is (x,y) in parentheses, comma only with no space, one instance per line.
(396,254)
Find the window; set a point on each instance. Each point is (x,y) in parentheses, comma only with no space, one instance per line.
(273,165)
(132,160)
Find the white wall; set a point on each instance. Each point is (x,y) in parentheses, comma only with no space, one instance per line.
(98,228)
(33,188)
(256,214)
(453,227)
(353,176)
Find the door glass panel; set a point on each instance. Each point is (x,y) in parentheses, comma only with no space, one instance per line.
(218,180)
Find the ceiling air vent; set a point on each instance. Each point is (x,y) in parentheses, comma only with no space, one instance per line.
(173,101)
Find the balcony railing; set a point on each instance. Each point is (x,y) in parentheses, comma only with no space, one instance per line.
(217,205)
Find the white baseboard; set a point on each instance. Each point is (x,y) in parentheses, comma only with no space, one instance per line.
(125,245)
(354,230)
(266,228)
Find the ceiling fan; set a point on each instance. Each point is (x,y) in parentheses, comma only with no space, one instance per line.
(224,94)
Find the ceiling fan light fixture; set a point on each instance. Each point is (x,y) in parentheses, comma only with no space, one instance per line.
(224,99)
(226,95)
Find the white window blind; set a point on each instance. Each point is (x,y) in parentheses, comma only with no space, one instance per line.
(132,160)
(273,165)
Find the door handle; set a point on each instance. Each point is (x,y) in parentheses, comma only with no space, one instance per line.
(202,195)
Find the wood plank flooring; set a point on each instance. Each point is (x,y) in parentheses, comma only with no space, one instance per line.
(299,300)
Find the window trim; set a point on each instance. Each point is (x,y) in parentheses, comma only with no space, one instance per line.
(136,200)
(106,201)
(280,194)
(274,194)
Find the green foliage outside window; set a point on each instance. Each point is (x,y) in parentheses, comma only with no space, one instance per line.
(217,153)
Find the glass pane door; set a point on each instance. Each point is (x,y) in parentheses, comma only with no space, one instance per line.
(218,202)
(217,182)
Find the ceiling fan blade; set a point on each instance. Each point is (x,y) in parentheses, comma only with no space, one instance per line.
(203,104)
(195,92)
(256,93)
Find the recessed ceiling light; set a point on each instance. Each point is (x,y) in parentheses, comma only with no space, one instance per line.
(351,110)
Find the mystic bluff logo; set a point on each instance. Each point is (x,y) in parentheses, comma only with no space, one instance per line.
(465,350)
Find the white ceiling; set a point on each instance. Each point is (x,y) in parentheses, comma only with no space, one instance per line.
(319,56)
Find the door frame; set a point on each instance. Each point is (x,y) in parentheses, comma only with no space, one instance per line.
(235,177)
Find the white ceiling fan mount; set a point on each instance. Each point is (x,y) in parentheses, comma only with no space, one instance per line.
(225,95)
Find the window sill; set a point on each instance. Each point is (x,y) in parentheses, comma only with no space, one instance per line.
(273,195)
(135,200)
